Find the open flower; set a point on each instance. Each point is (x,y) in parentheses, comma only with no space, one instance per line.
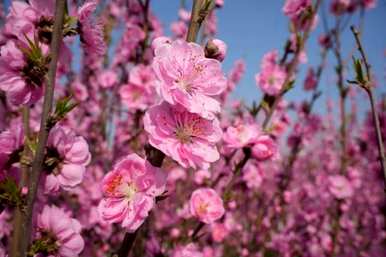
(187,78)
(139,92)
(59,232)
(129,192)
(185,137)
(206,205)
(66,160)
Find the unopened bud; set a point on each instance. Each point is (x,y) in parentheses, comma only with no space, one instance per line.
(216,49)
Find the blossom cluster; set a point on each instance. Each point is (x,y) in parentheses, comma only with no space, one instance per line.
(149,153)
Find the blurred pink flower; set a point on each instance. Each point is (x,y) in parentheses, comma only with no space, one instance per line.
(129,192)
(340,186)
(298,12)
(206,205)
(185,137)
(187,78)
(272,76)
(241,135)
(139,92)
(310,81)
(57,227)
(91,31)
(107,79)
(252,175)
(264,148)
(219,232)
(190,250)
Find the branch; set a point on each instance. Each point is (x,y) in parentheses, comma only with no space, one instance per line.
(200,10)
(368,88)
(23,238)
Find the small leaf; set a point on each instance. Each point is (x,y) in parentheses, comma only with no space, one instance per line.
(359,71)
(9,193)
(63,106)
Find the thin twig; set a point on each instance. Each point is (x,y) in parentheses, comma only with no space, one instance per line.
(368,88)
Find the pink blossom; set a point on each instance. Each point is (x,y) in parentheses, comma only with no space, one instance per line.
(219,3)
(264,148)
(206,205)
(184,15)
(219,231)
(369,4)
(298,12)
(179,29)
(129,192)
(91,32)
(159,41)
(79,90)
(201,175)
(310,81)
(139,92)
(20,88)
(295,8)
(11,141)
(186,137)
(190,250)
(272,76)
(340,187)
(67,158)
(252,175)
(216,49)
(107,79)
(235,74)
(135,97)
(187,78)
(241,135)
(63,230)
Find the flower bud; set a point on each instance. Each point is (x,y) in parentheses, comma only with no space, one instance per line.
(216,49)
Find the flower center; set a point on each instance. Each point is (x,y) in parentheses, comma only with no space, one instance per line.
(185,86)
(271,80)
(183,135)
(130,190)
(202,208)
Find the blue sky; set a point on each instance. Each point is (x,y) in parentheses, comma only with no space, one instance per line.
(252,27)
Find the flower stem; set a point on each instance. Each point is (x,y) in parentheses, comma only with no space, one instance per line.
(22,240)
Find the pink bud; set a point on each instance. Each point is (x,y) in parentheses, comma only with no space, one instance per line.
(216,49)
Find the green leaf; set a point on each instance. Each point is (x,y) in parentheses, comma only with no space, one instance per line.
(10,193)
(359,71)
(63,107)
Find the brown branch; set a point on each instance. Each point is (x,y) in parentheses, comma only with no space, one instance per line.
(24,237)
(200,10)
(18,214)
